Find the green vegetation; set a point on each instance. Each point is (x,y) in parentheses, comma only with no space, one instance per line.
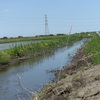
(63,75)
(19,39)
(35,38)
(39,49)
(4,57)
(38,37)
(8,40)
(93,49)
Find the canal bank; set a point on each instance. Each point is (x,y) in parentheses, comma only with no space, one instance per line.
(80,80)
(34,74)
(22,52)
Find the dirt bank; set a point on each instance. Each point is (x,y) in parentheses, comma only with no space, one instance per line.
(19,60)
(78,81)
(12,62)
(84,85)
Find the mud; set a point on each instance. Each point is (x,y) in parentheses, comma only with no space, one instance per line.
(81,81)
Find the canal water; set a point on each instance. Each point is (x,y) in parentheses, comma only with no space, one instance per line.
(32,75)
(13,44)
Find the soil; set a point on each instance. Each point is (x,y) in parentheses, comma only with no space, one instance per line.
(21,59)
(17,60)
(12,62)
(84,85)
(78,81)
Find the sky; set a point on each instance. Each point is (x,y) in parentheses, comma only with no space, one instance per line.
(27,17)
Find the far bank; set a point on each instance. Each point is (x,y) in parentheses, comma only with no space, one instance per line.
(80,80)
(23,52)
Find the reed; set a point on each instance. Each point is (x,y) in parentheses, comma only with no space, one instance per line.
(93,49)
(4,58)
(38,49)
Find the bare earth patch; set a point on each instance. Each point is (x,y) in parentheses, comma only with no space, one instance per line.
(78,81)
(84,85)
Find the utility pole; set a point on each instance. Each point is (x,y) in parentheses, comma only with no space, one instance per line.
(46,25)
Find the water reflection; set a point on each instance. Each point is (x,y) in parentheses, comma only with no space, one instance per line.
(33,74)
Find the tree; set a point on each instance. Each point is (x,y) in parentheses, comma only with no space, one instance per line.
(5,37)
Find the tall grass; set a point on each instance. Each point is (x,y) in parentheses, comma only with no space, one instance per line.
(39,49)
(93,49)
(4,58)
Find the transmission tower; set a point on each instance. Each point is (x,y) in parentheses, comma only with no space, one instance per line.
(70,30)
(46,26)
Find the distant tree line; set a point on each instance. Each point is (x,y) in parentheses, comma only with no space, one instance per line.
(5,37)
(59,34)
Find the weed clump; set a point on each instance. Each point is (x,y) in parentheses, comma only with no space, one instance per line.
(39,49)
(93,49)
(4,57)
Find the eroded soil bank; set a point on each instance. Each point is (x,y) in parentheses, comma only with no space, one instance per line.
(78,81)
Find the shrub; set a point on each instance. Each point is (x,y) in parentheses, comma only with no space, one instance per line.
(4,57)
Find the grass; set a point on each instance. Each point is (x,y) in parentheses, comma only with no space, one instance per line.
(15,39)
(9,40)
(38,49)
(93,48)
(35,38)
(4,57)
(48,37)
(63,75)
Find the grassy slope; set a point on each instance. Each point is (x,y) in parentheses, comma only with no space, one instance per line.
(39,49)
(93,48)
(9,40)
(82,78)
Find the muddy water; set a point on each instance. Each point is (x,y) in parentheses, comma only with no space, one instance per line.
(32,75)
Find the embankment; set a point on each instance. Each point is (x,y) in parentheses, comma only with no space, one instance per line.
(80,80)
(23,52)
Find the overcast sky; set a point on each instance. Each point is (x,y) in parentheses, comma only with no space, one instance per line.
(26,17)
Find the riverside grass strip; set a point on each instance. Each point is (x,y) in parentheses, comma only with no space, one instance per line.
(39,49)
(93,48)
